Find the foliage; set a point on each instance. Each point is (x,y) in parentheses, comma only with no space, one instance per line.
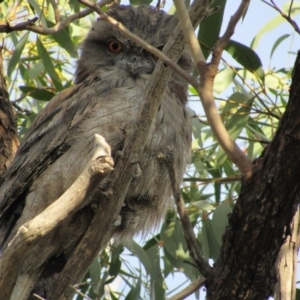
(251,99)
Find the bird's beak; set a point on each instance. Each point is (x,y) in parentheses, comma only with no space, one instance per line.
(135,64)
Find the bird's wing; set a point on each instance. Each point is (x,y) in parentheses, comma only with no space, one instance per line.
(49,137)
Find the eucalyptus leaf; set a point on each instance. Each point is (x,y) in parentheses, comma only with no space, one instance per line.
(48,64)
(220,220)
(138,251)
(210,28)
(15,58)
(246,57)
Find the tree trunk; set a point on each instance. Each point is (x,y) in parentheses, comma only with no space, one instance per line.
(286,267)
(9,142)
(261,219)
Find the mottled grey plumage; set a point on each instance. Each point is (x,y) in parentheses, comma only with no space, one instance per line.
(107,99)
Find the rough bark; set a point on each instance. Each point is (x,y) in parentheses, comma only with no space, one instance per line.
(261,220)
(286,267)
(32,234)
(8,127)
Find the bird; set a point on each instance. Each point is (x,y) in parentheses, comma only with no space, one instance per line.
(111,76)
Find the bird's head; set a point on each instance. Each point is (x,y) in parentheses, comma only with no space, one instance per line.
(108,54)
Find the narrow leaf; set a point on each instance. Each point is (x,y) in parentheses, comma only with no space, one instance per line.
(47,62)
(95,274)
(235,126)
(223,79)
(276,21)
(210,240)
(278,42)
(37,93)
(210,28)
(138,251)
(246,57)
(220,220)
(63,38)
(15,58)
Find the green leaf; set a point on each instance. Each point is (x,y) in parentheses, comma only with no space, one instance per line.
(37,93)
(63,38)
(220,220)
(246,57)
(37,11)
(297,294)
(15,58)
(233,102)
(138,251)
(276,21)
(203,205)
(210,28)
(115,264)
(237,122)
(140,2)
(209,241)
(223,79)
(135,291)
(47,62)
(95,272)
(235,126)
(157,281)
(278,42)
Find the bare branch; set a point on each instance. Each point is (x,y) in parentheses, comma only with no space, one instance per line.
(56,11)
(189,235)
(31,234)
(284,15)
(207,73)
(232,178)
(29,24)
(189,33)
(205,91)
(190,289)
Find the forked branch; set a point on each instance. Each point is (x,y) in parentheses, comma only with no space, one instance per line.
(207,74)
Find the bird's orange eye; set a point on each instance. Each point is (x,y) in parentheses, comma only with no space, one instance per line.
(114,46)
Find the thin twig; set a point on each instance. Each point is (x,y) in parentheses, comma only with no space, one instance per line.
(232,178)
(207,74)
(190,289)
(38,297)
(189,32)
(284,15)
(80,293)
(56,11)
(30,26)
(189,235)
(205,91)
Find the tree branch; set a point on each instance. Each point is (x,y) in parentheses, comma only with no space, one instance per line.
(284,15)
(32,233)
(30,26)
(262,216)
(207,74)
(190,289)
(189,32)
(189,235)
(205,90)
(9,141)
